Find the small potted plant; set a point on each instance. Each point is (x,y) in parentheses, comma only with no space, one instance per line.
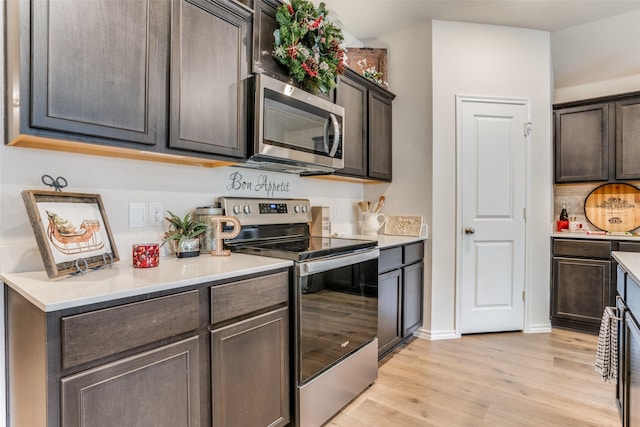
(184,233)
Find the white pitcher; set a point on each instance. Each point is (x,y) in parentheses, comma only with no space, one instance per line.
(371,222)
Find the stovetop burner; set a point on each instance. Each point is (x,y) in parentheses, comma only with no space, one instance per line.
(304,248)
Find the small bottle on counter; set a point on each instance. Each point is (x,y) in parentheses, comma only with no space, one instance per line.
(564,216)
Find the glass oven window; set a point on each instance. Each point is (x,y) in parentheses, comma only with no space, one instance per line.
(338,314)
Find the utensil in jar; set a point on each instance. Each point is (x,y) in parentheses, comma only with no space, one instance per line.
(380,204)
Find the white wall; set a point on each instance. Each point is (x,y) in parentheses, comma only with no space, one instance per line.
(474,59)
(409,78)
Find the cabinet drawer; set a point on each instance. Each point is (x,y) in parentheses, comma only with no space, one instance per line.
(241,298)
(582,248)
(413,253)
(629,247)
(390,259)
(90,336)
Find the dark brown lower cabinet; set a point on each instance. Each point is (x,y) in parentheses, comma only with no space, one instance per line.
(250,371)
(400,294)
(389,314)
(583,282)
(580,292)
(632,371)
(208,354)
(412,299)
(156,388)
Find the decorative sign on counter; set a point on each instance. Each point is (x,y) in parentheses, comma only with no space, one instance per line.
(403,225)
(614,207)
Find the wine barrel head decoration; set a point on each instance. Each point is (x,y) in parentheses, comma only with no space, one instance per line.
(614,207)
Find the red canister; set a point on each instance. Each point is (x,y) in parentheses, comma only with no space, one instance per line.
(146,255)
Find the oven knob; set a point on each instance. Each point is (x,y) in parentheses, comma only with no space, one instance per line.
(247,209)
(304,208)
(237,209)
(296,209)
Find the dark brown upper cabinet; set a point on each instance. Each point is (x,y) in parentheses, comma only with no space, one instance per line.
(209,71)
(264,25)
(98,69)
(628,139)
(598,140)
(158,76)
(367,129)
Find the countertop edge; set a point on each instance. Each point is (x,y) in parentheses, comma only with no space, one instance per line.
(630,262)
(124,281)
(584,235)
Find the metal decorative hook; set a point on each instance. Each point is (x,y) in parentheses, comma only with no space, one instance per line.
(59,183)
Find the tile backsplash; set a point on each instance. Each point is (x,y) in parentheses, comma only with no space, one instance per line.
(574,196)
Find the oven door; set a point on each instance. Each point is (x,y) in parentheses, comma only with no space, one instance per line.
(337,301)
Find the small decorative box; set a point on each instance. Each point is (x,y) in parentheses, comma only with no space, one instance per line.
(146,255)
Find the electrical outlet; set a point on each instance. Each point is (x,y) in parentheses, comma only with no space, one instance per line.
(137,214)
(156,214)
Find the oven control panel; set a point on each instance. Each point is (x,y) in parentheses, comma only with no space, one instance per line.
(256,211)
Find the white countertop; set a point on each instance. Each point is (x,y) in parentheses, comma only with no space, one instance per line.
(586,235)
(125,281)
(385,240)
(630,262)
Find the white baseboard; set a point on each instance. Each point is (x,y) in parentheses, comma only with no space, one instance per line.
(435,335)
(543,328)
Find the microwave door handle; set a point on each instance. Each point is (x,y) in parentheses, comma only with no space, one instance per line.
(336,134)
(325,139)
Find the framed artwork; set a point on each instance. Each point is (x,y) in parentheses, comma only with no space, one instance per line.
(369,59)
(71,229)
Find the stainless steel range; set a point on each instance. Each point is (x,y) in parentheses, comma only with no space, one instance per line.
(335,302)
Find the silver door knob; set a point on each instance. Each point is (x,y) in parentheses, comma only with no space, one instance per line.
(469,230)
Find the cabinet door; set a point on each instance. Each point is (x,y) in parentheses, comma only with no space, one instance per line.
(353,97)
(389,314)
(582,136)
(98,68)
(628,139)
(412,298)
(379,136)
(632,372)
(209,61)
(581,289)
(157,388)
(264,25)
(250,372)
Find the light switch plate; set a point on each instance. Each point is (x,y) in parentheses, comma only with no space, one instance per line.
(137,214)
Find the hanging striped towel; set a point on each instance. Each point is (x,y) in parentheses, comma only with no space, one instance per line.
(607,354)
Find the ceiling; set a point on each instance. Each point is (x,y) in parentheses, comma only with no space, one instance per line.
(368,19)
(581,53)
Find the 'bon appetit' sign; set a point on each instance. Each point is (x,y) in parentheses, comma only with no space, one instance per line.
(257,184)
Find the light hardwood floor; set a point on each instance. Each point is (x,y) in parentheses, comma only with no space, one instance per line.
(504,379)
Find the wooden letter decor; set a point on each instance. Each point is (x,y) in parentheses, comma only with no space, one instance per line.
(220,235)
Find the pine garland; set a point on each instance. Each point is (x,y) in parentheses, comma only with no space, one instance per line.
(309,45)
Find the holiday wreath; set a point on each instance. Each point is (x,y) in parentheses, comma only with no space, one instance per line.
(309,45)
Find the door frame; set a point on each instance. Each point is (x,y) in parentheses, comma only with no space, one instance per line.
(460,99)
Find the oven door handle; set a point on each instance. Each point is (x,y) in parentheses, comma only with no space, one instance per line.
(308,268)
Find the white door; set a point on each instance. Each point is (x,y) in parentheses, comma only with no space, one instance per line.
(491,218)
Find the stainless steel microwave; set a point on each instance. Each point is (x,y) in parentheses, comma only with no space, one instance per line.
(294,130)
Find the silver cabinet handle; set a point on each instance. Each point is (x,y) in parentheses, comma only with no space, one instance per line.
(469,230)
